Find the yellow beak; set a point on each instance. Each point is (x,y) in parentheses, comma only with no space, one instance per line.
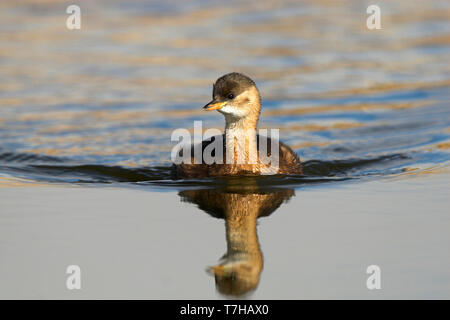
(218,270)
(214,105)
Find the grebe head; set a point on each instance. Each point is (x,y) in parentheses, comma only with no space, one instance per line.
(237,98)
(237,278)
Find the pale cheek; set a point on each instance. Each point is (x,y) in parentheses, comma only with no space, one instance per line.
(235,111)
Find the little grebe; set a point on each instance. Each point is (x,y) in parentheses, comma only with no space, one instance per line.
(237,98)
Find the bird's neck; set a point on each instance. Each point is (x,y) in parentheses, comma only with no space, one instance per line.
(238,124)
(249,122)
(242,240)
(240,134)
(241,145)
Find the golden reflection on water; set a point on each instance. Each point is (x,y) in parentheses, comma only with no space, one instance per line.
(118,87)
(409,172)
(104,24)
(239,269)
(91,120)
(8,182)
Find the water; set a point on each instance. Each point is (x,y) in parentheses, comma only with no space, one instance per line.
(85,124)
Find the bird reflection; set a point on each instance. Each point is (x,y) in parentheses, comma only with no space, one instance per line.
(238,271)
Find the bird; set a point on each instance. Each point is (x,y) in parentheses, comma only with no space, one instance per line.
(238,271)
(236,96)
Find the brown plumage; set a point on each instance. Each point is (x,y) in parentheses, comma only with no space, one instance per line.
(237,98)
(239,269)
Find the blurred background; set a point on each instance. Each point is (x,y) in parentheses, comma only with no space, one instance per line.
(113,91)
(87,115)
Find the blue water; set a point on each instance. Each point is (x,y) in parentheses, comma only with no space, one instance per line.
(86,118)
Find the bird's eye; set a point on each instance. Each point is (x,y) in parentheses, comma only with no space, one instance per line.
(231,96)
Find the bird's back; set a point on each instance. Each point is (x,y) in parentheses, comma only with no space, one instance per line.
(288,162)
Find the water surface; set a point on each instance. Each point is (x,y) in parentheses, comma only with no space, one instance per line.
(85,123)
